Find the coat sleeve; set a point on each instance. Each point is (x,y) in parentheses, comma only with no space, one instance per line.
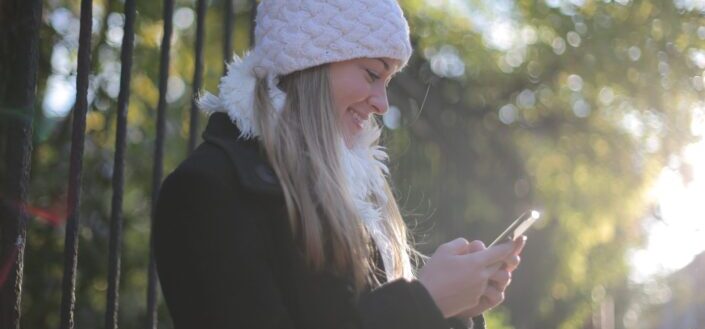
(213,270)
(407,304)
(477,322)
(400,304)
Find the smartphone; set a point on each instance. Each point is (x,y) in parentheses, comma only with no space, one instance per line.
(518,227)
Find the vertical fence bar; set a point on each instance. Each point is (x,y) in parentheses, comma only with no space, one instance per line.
(68,297)
(197,73)
(253,18)
(19,54)
(116,219)
(157,165)
(228,34)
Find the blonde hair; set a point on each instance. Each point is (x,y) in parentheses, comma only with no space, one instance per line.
(302,145)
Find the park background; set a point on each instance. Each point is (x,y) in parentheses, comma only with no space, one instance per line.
(590,111)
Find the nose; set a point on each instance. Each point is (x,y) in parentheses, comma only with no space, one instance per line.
(378,100)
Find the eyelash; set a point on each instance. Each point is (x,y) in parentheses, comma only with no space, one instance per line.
(373,76)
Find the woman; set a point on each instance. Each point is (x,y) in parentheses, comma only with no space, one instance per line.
(283,217)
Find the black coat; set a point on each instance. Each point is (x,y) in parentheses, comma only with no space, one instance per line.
(226,257)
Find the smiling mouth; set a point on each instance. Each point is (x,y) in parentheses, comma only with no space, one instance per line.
(358,120)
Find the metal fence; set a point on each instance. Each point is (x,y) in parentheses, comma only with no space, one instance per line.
(19,43)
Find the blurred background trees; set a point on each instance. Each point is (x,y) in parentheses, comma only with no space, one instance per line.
(573,107)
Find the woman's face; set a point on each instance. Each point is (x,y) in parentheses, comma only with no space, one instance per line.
(359,88)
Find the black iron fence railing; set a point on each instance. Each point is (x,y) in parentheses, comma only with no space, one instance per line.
(68,297)
(157,171)
(197,72)
(116,218)
(20,49)
(19,44)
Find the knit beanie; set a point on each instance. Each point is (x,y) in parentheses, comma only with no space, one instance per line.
(292,35)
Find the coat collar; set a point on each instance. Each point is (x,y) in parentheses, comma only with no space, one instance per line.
(247,155)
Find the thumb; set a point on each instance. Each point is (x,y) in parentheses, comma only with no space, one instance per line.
(476,245)
(497,253)
(458,246)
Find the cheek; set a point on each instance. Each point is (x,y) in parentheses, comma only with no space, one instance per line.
(347,91)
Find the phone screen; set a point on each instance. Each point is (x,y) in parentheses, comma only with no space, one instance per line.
(518,227)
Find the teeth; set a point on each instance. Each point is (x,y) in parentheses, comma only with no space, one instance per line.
(358,119)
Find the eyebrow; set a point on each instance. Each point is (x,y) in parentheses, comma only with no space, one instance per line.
(386,66)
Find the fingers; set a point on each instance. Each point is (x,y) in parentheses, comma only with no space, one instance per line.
(519,245)
(512,263)
(476,245)
(458,246)
(461,246)
(492,297)
(496,254)
(501,279)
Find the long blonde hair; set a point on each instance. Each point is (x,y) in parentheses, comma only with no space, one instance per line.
(302,145)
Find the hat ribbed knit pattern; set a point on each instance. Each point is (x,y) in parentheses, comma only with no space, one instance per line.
(292,35)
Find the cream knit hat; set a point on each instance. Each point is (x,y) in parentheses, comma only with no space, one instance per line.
(292,35)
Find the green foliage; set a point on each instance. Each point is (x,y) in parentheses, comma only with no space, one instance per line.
(573,112)
(498,319)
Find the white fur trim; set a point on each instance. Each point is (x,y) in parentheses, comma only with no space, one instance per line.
(366,172)
(237,94)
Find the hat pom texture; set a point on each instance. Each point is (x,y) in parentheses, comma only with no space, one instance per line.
(237,95)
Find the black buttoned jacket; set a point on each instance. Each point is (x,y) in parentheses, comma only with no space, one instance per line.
(226,257)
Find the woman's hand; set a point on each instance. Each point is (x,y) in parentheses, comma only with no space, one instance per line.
(500,280)
(459,273)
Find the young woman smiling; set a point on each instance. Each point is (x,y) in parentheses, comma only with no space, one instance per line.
(283,217)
